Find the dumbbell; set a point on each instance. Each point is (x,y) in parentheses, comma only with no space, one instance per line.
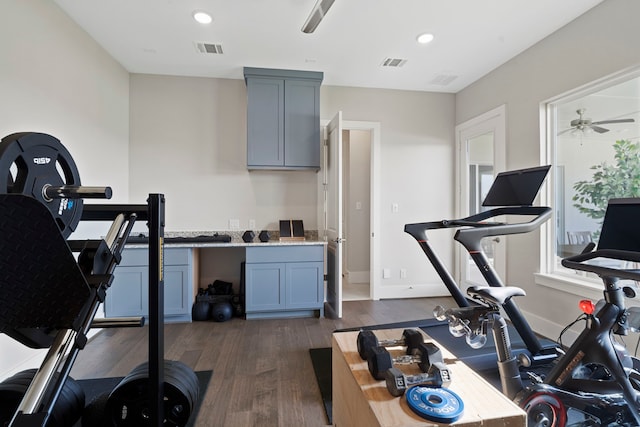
(368,340)
(397,382)
(380,360)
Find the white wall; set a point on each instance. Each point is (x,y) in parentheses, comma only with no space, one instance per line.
(416,172)
(55,79)
(188,141)
(358,204)
(598,43)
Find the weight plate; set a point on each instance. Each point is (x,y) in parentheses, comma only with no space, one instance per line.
(129,405)
(435,404)
(66,410)
(31,161)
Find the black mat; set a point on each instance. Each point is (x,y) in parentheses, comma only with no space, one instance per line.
(95,387)
(321,359)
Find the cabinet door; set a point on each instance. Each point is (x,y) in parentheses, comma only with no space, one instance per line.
(128,294)
(176,290)
(264,287)
(265,122)
(305,285)
(302,124)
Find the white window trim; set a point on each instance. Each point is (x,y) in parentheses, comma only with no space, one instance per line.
(580,286)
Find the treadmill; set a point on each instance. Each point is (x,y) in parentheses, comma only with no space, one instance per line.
(511,195)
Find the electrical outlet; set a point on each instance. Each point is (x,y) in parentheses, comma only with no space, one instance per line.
(386,273)
(403,273)
(234,224)
(252,224)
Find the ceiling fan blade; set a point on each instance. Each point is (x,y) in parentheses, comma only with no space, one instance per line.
(604,122)
(317,13)
(562,132)
(599,129)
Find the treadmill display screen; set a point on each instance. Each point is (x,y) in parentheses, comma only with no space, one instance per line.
(517,187)
(621,225)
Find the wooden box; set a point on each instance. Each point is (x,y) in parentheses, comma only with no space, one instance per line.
(360,400)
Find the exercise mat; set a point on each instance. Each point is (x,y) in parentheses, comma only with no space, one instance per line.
(321,360)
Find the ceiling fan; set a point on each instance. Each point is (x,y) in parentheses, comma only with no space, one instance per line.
(585,125)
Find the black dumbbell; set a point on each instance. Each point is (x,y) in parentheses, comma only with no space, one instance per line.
(380,360)
(437,376)
(368,340)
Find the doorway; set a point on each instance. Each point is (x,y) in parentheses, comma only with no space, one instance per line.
(481,154)
(364,137)
(356,266)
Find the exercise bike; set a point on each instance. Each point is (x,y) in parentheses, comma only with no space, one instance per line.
(511,194)
(596,382)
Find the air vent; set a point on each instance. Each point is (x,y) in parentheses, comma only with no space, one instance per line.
(394,62)
(214,48)
(443,79)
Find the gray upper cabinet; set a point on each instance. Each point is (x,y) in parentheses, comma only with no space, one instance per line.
(283,119)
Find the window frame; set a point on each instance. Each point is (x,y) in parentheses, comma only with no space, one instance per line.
(549,276)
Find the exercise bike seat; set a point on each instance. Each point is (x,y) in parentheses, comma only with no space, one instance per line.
(495,295)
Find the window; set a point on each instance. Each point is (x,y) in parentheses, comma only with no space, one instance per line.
(594,145)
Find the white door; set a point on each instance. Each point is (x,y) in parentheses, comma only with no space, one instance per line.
(333,213)
(481,155)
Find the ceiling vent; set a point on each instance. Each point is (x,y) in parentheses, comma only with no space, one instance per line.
(394,62)
(443,79)
(203,47)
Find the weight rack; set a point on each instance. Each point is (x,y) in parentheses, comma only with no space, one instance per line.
(154,213)
(38,269)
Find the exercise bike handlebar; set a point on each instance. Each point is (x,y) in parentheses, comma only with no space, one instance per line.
(577,262)
(477,221)
(470,237)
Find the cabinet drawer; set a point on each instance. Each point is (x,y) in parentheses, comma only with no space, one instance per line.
(140,256)
(288,253)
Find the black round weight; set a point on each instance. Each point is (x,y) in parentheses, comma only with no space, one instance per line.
(248,236)
(221,311)
(128,404)
(200,311)
(264,236)
(30,162)
(66,411)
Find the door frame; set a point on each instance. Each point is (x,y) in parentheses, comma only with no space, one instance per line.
(491,121)
(374,220)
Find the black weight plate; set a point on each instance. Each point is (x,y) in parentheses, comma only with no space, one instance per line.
(66,411)
(435,404)
(128,404)
(30,161)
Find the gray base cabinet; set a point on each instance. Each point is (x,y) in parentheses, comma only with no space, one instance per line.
(284,281)
(129,296)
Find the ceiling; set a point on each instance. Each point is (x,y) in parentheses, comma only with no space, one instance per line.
(472,37)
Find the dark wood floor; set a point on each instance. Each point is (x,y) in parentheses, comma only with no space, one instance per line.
(262,372)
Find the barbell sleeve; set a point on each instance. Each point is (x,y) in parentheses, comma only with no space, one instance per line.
(50,192)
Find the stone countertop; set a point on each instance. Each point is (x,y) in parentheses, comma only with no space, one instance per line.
(311,238)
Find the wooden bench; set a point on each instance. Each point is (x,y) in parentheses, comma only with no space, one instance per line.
(360,400)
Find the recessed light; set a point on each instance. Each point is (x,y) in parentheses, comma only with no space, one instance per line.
(202,17)
(425,38)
